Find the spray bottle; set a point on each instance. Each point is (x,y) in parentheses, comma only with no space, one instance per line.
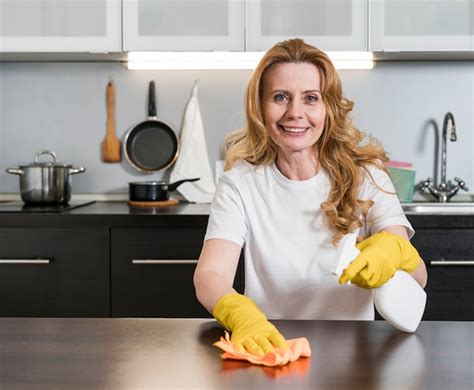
(401,301)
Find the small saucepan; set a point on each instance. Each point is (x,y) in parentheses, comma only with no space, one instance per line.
(153,191)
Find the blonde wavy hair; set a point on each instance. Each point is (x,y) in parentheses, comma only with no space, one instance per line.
(342,152)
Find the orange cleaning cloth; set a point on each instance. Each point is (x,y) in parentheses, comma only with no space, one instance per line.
(297,348)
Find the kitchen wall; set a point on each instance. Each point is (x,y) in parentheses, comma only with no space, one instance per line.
(61,107)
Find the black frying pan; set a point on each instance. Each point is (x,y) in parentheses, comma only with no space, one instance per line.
(151,145)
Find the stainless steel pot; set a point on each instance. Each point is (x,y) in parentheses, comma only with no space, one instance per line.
(45,182)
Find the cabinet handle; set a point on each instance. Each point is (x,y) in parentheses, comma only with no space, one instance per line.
(25,261)
(164,261)
(451,263)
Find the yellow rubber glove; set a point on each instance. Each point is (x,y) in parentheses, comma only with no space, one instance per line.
(381,256)
(250,328)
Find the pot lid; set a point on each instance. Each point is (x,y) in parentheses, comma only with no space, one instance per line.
(54,163)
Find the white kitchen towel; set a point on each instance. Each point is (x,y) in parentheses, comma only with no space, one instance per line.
(193,160)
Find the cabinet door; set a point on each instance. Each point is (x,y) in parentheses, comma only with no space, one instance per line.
(449,256)
(421,25)
(60,26)
(326,24)
(172,25)
(54,272)
(152,272)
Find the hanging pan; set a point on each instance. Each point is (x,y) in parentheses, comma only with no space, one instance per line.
(152,145)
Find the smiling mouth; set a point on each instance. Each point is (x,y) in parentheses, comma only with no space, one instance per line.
(294,130)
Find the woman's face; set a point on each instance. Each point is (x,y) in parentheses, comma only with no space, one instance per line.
(293,108)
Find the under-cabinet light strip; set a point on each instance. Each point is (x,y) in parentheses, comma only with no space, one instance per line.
(230,60)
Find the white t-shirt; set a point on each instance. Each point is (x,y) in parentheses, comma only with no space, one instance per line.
(289,255)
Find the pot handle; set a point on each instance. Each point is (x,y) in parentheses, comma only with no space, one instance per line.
(15,171)
(73,171)
(176,184)
(151,100)
(49,152)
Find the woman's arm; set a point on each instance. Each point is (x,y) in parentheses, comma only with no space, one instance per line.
(419,274)
(215,272)
(213,279)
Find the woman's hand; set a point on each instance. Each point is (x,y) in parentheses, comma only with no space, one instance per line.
(250,329)
(381,256)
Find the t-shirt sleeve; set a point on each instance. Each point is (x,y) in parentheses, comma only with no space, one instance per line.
(227,214)
(386,210)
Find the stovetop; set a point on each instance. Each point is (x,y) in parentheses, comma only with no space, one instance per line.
(20,207)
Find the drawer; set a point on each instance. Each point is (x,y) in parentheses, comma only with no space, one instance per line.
(450,292)
(449,244)
(70,280)
(449,258)
(152,272)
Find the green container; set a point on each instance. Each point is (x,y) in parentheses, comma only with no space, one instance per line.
(404,183)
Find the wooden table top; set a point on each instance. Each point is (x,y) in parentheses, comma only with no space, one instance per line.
(71,353)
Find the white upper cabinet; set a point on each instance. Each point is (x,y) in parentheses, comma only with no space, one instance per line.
(191,25)
(116,26)
(60,26)
(326,24)
(421,25)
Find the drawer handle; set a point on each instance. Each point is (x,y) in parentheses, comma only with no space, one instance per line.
(164,261)
(451,263)
(25,261)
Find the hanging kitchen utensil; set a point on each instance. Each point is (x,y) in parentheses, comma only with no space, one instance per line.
(111,145)
(151,145)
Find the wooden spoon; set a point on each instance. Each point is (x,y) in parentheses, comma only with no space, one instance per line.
(111,144)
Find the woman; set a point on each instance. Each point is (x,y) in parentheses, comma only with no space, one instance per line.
(298,177)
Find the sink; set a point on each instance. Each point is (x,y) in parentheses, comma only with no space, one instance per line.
(428,198)
(459,204)
(454,208)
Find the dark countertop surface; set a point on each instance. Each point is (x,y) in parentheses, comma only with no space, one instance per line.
(122,208)
(70,353)
(120,214)
(114,214)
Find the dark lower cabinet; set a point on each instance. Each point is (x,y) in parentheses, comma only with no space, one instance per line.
(152,272)
(54,272)
(148,271)
(449,258)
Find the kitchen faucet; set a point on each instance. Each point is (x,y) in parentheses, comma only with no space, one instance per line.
(445,190)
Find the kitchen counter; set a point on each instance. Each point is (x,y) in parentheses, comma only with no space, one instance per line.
(120,214)
(114,214)
(71,353)
(122,208)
